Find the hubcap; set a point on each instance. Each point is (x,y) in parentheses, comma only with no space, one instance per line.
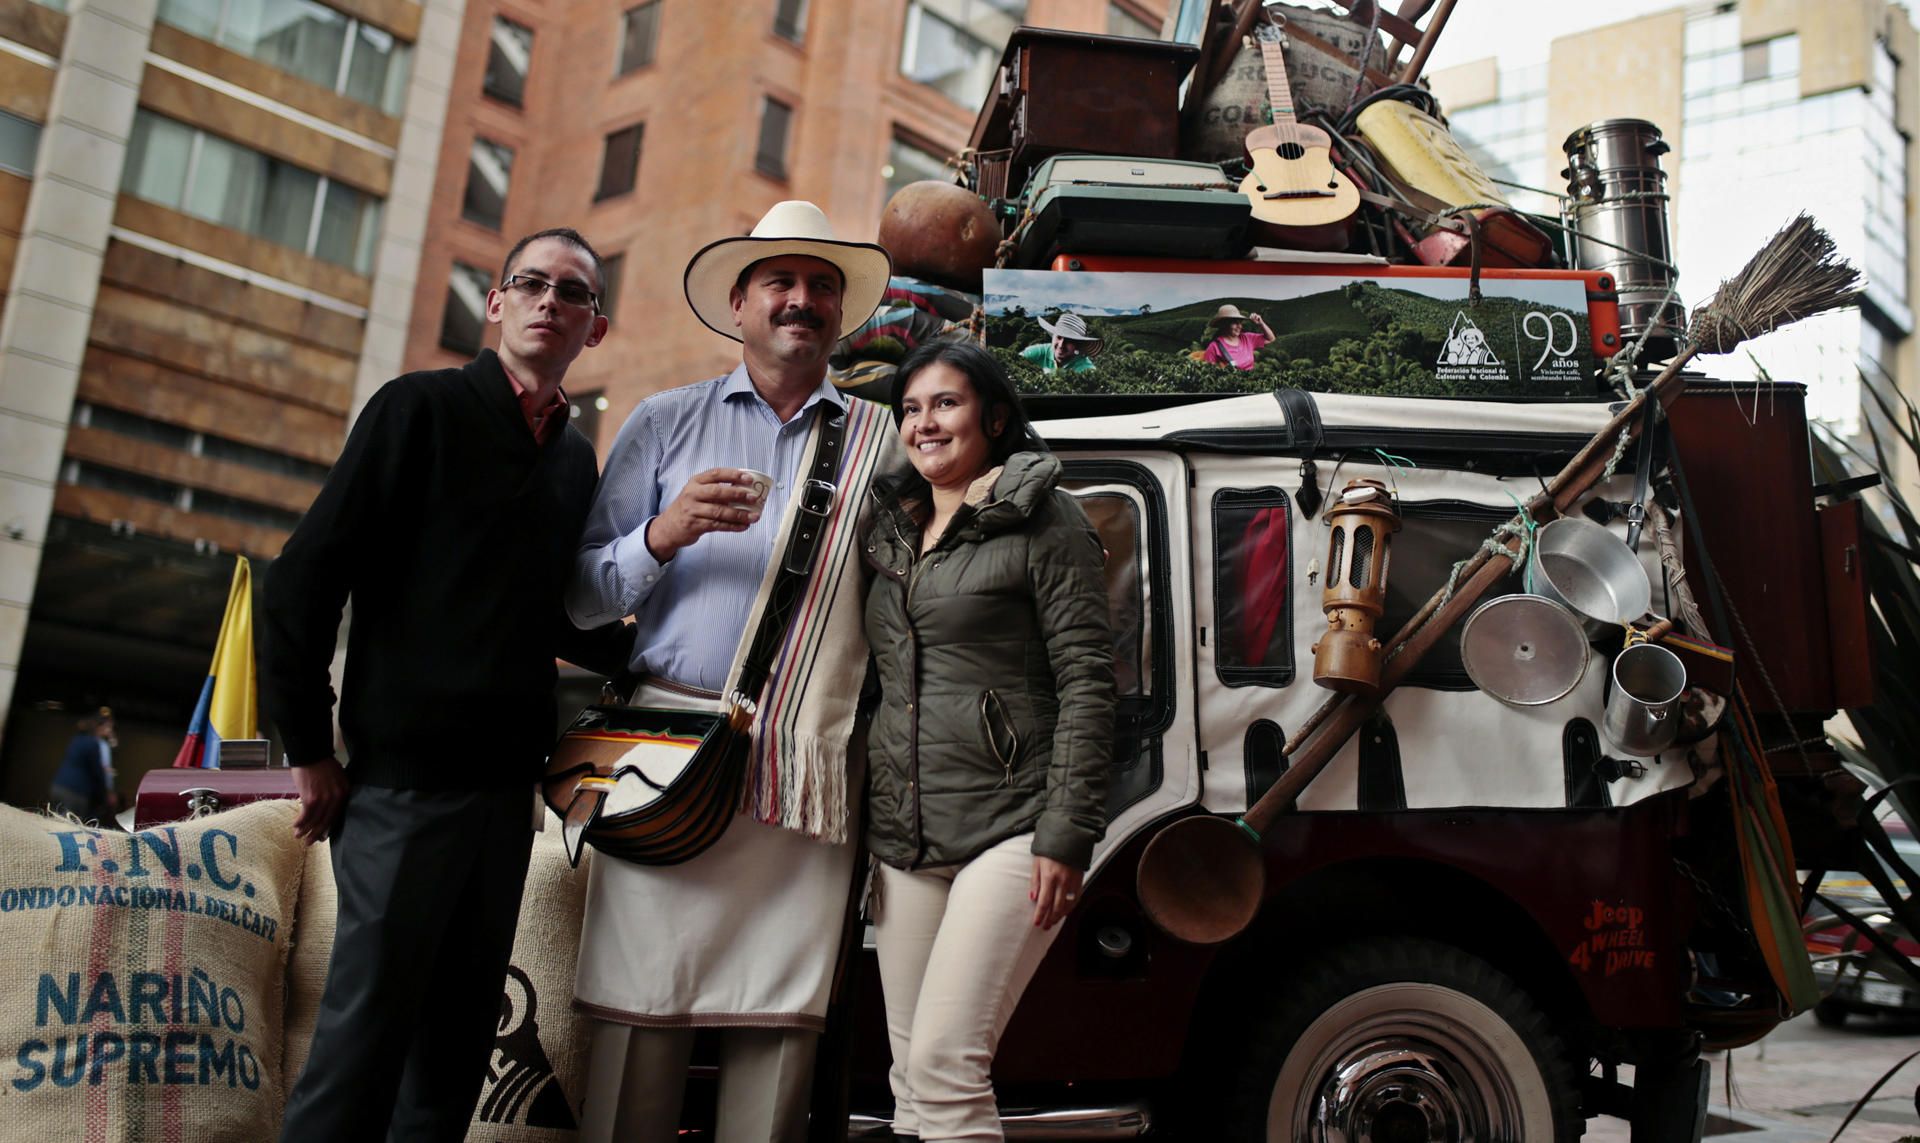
(1403,1077)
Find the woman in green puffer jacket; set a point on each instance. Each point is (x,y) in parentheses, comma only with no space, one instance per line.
(987,763)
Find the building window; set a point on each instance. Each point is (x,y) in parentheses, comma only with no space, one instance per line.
(463,326)
(118,421)
(201,174)
(954,46)
(306,39)
(614,265)
(908,163)
(126,483)
(639,29)
(19,144)
(1124,21)
(770,157)
(508,56)
(488,168)
(790,20)
(619,163)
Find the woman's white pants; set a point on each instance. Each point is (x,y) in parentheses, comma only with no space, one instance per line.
(957,946)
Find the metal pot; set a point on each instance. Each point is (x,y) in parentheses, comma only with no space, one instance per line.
(1578,563)
(1525,650)
(1617,203)
(1643,712)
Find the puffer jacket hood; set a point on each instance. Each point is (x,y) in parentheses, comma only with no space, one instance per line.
(996,669)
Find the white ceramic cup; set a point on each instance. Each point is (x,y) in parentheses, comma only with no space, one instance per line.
(760,483)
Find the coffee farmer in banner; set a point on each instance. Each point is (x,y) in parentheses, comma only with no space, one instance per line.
(450,522)
(1071,350)
(744,935)
(1229,342)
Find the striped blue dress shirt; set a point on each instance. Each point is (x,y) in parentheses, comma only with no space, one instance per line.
(691,610)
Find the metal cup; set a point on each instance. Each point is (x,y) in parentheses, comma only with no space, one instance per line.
(1643,712)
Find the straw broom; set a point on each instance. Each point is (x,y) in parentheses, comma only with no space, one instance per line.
(1795,275)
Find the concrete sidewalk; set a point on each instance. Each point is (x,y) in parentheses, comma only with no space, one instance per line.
(1799,1083)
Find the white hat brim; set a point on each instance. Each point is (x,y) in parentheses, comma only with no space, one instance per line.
(1099,343)
(713,271)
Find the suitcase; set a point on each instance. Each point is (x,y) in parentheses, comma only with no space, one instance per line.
(170,795)
(1102,204)
(1077,91)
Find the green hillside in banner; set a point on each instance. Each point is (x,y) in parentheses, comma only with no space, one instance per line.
(1358,338)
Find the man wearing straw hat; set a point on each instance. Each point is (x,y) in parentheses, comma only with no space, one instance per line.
(1072,349)
(744,935)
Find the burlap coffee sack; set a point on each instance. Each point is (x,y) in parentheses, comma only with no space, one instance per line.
(307,964)
(143,982)
(537,1075)
(1215,128)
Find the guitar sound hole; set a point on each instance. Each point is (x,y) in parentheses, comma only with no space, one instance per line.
(1291,151)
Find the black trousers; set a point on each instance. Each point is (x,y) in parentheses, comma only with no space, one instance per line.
(430,886)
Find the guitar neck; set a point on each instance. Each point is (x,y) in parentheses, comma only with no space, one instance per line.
(1279,88)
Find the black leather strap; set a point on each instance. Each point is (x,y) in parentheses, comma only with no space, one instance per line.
(1580,759)
(815,492)
(1642,475)
(1382,784)
(1304,430)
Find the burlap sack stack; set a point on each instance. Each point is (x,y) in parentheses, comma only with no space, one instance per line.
(141,994)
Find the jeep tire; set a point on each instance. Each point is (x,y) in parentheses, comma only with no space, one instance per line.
(1402,1038)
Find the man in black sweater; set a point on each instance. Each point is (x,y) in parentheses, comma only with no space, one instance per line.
(450,522)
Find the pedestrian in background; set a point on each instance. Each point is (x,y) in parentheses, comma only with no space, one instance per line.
(83,786)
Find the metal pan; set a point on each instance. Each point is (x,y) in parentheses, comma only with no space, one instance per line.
(1580,564)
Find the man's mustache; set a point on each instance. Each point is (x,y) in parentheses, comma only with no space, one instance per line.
(800,317)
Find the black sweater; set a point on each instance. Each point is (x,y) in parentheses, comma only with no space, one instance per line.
(453,533)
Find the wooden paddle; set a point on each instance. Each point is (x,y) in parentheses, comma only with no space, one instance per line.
(1202,879)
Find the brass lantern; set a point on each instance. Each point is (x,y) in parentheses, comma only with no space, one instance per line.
(1361,521)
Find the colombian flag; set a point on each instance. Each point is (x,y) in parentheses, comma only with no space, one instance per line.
(227,699)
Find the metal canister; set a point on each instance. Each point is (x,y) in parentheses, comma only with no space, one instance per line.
(1618,207)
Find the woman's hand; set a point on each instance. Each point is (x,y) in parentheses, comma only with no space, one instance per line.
(1053,888)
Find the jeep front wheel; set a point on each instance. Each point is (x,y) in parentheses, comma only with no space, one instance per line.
(1410,1040)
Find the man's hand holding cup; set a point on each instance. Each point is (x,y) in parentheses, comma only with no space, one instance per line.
(717,500)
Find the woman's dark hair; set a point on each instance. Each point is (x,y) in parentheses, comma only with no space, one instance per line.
(989,383)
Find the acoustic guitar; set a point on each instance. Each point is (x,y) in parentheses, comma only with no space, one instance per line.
(1300,200)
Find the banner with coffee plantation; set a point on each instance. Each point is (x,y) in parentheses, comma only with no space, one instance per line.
(1346,333)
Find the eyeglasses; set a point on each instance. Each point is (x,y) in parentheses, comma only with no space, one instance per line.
(572,293)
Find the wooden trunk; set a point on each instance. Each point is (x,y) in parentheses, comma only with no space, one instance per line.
(1076,91)
(1744,449)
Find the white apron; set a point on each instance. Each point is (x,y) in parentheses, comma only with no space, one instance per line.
(744,935)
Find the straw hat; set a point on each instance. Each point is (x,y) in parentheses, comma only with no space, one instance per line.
(1228,312)
(1071,327)
(792,227)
